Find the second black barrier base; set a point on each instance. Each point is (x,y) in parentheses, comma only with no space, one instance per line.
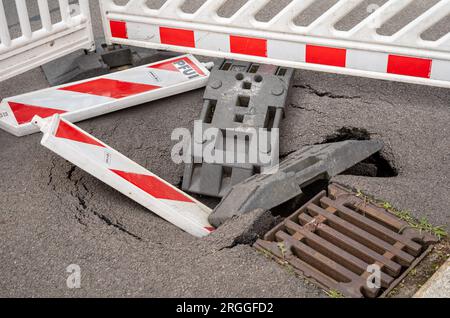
(81,65)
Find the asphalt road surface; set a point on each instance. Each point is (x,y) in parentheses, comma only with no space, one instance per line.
(53,215)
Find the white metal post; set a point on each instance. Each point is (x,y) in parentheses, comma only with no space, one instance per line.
(64,10)
(4,28)
(86,13)
(24,19)
(44,12)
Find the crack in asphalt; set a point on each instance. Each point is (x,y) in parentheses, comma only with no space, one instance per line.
(286,154)
(82,194)
(230,247)
(318,93)
(112,131)
(70,173)
(239,241)
(50,174)
(307,109)
(117,225)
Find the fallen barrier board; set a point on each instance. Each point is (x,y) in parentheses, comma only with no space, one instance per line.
(124,175)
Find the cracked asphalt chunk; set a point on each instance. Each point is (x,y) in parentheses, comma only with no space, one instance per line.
(44,226)
(318,93)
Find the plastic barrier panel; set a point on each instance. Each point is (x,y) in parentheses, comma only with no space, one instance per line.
(318,45)
(124,175)
(101,95)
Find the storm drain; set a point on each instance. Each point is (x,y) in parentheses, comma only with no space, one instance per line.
(346,244)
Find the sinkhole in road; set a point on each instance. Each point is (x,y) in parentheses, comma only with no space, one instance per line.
(376,166)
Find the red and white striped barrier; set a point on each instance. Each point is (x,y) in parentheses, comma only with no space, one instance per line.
(357,62)
(361,51)
(124,175)
(101,95)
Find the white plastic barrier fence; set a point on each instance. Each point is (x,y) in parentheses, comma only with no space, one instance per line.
(51,41)
(362,51)
(101,95)
(124,175)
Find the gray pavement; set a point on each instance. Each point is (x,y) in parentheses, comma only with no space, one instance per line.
(53,215)
(438,286)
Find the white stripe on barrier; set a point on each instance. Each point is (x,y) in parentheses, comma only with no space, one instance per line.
(141,32)
(288,51)
(211,41)
(361,51)
(158,77)
(59,99)
(124,175)
(441,70)
(367,61)
(100,95)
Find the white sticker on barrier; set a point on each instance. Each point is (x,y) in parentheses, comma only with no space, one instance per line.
(100,95)
(124,175)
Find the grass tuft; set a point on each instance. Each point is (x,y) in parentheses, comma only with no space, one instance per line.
(422,224)
(332,293)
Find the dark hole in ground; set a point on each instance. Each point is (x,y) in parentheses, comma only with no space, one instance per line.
(348,133)
(376,166)
(208,201)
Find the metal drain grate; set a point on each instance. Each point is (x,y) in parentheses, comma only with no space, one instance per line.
(341,240)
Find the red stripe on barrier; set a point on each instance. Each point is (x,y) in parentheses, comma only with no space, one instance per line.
(167,66)
(67,131)
(194,66)
(326,55)
(248,46)
(153,186)
(110,88)
(25,113)
(118,29)
(177,37)
(409,66)
(170,65)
